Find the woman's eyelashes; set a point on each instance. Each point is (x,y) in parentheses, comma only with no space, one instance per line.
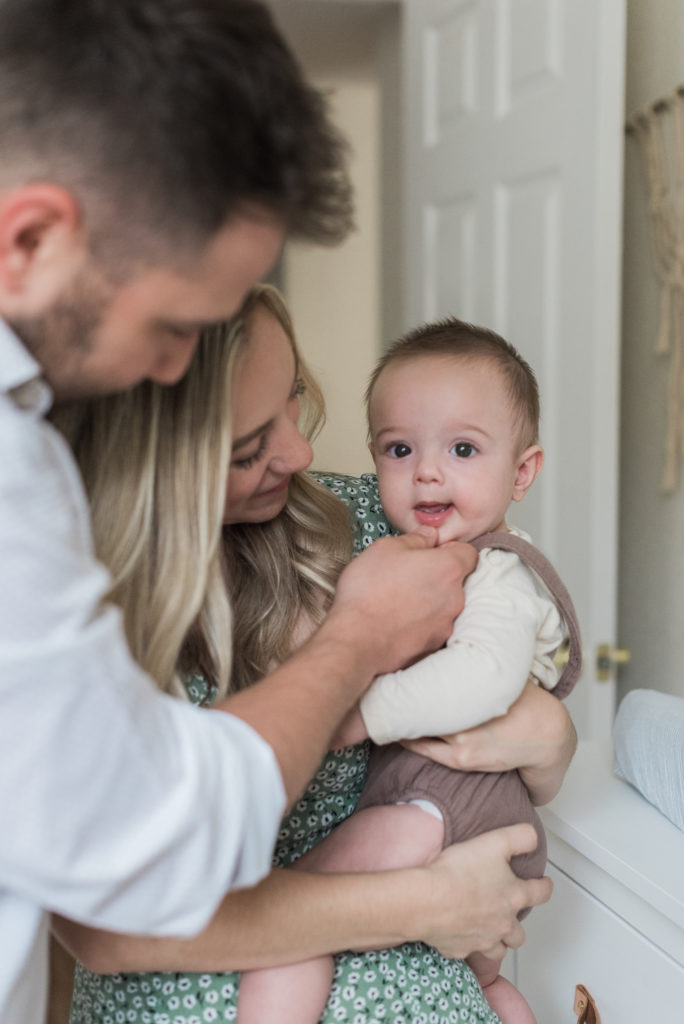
(247,461)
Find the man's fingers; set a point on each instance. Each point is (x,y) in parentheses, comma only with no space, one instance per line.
(429,533)
(467,554)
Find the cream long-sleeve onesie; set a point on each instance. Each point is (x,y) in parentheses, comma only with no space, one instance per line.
(508,632)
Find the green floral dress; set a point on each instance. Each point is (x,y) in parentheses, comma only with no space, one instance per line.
(411,984)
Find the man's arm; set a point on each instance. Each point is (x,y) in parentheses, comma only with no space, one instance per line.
(368,630)
(466,900)
(180,805)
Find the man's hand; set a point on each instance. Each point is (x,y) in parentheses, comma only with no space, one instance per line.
(536,736)
(479,895)
(399,597)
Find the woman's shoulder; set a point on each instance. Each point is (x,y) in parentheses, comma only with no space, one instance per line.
(360,494)
(349,488)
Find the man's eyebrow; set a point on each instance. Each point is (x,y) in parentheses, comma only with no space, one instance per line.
(240,442)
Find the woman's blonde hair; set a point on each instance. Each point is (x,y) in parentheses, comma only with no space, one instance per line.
(155,464)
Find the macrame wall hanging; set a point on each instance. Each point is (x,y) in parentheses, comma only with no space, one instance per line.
(659,130)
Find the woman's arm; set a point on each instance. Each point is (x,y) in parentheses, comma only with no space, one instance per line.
(536,736)
(464,901)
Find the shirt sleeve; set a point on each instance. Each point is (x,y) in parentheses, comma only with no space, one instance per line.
(121,807)
(507,629)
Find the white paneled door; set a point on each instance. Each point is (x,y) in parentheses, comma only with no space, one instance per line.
(513,186)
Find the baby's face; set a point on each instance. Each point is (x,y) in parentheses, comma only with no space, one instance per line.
(445,445)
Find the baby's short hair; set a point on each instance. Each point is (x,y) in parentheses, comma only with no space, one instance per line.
(462,340)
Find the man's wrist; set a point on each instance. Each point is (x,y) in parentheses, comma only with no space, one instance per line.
(351,645)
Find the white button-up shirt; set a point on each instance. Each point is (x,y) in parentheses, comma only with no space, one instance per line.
(119,806)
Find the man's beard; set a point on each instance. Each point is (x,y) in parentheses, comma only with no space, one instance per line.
(64,335)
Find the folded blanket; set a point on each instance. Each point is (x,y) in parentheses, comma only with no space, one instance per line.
(649,749)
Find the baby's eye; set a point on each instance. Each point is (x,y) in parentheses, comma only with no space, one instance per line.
(464,449)
(299,388)
(399,450)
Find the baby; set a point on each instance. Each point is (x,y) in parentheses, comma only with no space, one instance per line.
(453,413)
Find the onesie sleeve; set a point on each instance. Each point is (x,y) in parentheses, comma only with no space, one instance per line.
(508,630)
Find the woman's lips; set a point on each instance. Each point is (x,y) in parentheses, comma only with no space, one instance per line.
(432,513)
(282,486)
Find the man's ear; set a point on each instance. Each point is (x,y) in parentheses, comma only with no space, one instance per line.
(530,463)
(41,240)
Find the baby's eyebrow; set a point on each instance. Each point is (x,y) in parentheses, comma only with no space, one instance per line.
(387,430)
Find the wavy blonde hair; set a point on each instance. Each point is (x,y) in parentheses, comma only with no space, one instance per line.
(155,465)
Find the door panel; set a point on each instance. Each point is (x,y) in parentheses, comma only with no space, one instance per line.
(513,157)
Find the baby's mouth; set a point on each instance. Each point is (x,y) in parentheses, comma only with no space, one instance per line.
(432,506)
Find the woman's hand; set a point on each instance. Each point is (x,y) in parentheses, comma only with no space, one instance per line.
(536,736)
(475,876)
(467,900)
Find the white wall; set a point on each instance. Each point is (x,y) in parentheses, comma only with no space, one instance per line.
(335,295)
(651,608)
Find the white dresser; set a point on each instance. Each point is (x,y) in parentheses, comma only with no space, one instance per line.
(615,922)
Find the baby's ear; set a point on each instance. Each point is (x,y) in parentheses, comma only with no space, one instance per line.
(529,463)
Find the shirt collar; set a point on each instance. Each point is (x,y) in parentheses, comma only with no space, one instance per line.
(21,375)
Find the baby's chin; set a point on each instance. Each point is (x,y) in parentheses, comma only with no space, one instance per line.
(466,534)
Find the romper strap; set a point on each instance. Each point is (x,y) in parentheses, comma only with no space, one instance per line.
(539,563)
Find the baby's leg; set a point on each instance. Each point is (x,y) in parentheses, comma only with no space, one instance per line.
(502,996)
(471,803)
(294,994)
(378,839)
(375,839)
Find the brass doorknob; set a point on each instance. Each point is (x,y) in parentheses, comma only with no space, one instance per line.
(607,657)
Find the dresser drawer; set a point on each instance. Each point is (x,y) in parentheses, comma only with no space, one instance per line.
(615,922)
(577,939)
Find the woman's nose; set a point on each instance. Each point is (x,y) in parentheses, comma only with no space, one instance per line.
(293,452)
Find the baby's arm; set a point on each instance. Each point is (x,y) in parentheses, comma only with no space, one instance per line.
(482,670)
